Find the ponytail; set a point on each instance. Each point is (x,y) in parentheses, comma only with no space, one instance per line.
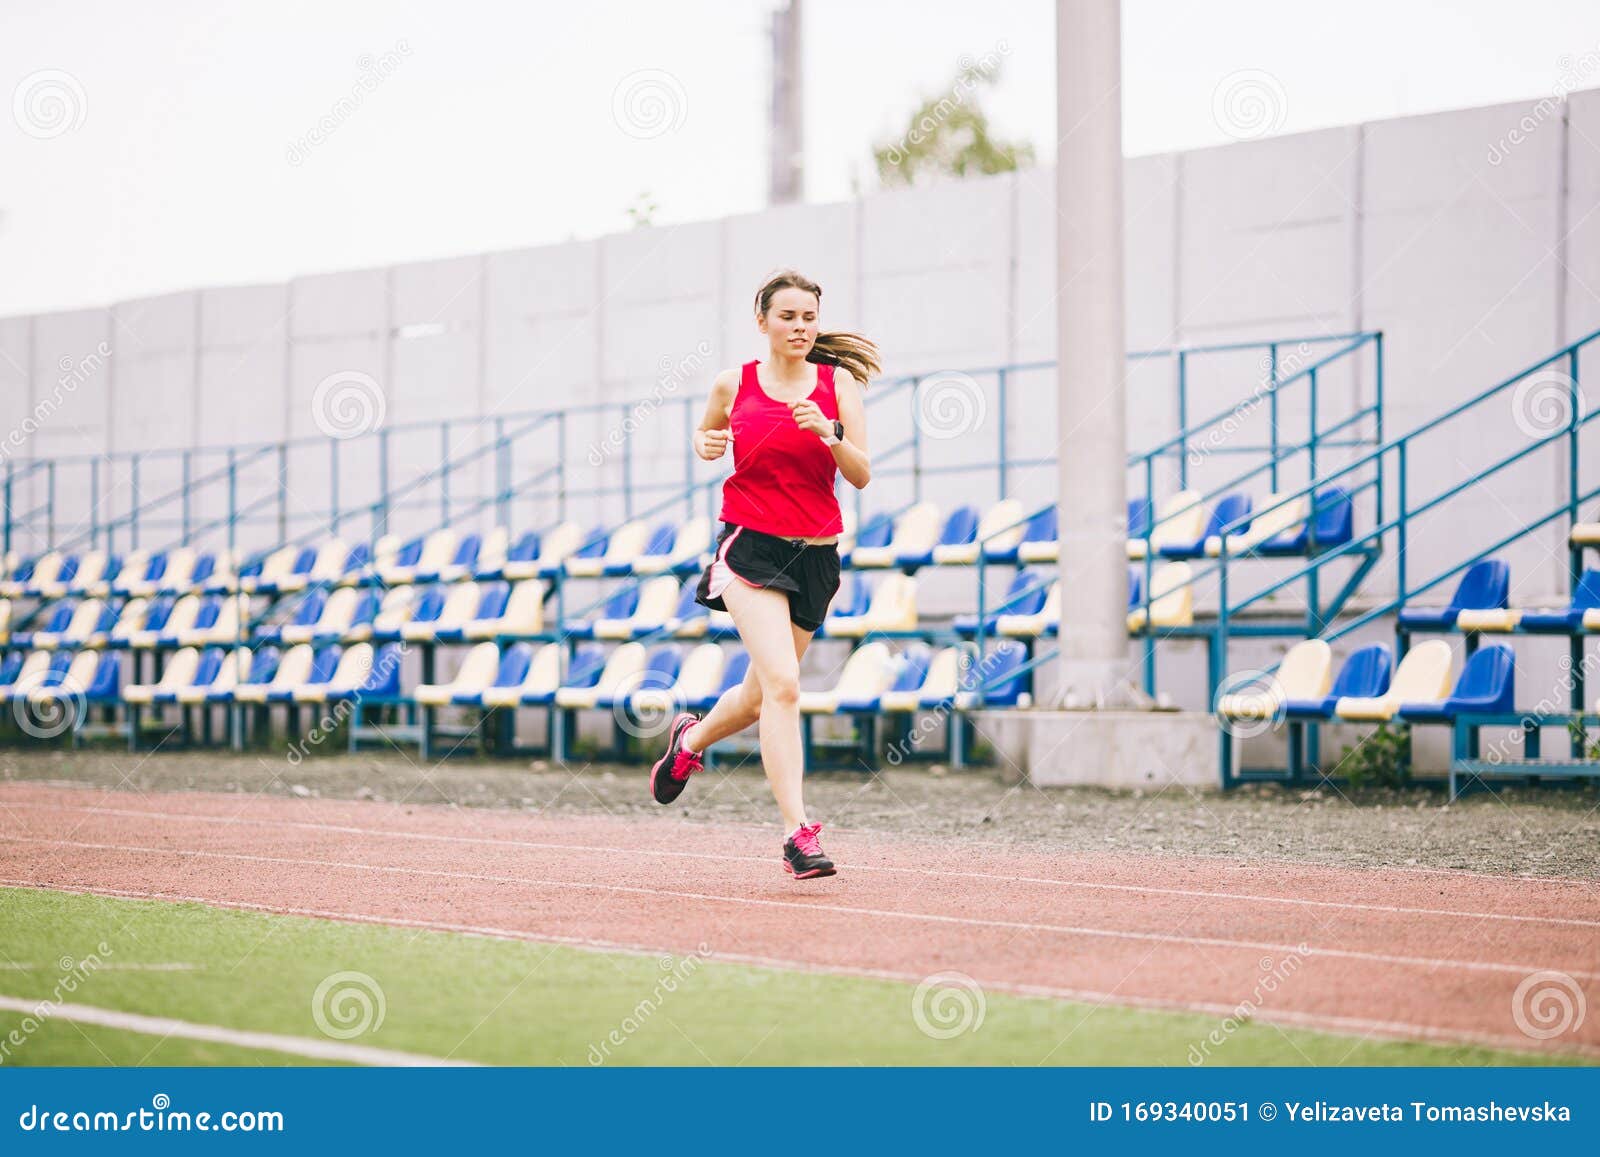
(850,350)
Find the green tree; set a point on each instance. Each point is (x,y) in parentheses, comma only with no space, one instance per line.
(642,212)
(949,135)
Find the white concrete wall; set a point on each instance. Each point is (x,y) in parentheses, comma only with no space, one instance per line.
(1472,268)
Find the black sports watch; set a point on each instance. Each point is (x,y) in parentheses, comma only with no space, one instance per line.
(838,434)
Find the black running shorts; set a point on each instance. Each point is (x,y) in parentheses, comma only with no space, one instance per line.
(807,573)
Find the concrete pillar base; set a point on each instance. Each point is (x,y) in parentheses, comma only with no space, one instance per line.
(1122,749)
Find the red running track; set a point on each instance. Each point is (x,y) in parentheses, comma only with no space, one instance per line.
(1405,952)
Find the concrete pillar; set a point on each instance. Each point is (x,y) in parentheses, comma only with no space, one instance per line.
(1091,353)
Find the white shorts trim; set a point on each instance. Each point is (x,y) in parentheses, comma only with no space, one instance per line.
(721,573)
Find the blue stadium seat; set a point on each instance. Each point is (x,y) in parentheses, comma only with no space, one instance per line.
(263,665)
(359,628)
(661,667)
(1585,599)
(37,675)
(511,671)
(307,612)
(356,563)
(382,681)
(1487,685)
(323,664)
(656,544)
(583,670)
(878,531)
(524,550)
(425,608)
(55,623)
(1365,675)
(910,669)
(1041,527)
(270,582)
(156,612)
(1228,510)
(205,674)
(1334,522)
(592,547)
(1041,541)
(491,605)
(733,673)
(958,539)
(63,580)
(463,562)
(205,565)
(1026,596)
(689,619)
(619,605)
(1139,518)
(106,687)
(1000,675)
(1485,586)
(959,528)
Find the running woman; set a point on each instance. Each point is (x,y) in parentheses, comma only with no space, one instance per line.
(794,422)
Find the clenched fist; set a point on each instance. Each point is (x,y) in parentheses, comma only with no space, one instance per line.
(808,416)
(712,444)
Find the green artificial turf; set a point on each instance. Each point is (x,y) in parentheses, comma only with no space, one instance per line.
(509,1002)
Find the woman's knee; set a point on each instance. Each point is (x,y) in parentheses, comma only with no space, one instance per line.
(781,688)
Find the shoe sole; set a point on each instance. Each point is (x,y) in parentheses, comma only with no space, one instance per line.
(672,740)
(812,875)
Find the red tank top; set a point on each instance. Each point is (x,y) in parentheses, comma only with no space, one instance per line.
(782,480)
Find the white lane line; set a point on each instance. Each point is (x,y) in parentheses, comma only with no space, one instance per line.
(1225,859)
(316,1050)
(1430,963)
(1289,1017)
(653,853)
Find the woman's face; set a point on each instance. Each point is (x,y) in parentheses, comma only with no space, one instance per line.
(791,321)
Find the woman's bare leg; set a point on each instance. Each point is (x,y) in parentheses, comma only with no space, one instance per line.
(739,706)
(762,617)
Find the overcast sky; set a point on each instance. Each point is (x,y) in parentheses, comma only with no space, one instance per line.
(168,144)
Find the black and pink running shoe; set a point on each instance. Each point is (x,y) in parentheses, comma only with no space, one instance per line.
(803,857)
(672,771)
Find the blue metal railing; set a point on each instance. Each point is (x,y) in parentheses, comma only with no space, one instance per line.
(1396,455)
(120,482)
